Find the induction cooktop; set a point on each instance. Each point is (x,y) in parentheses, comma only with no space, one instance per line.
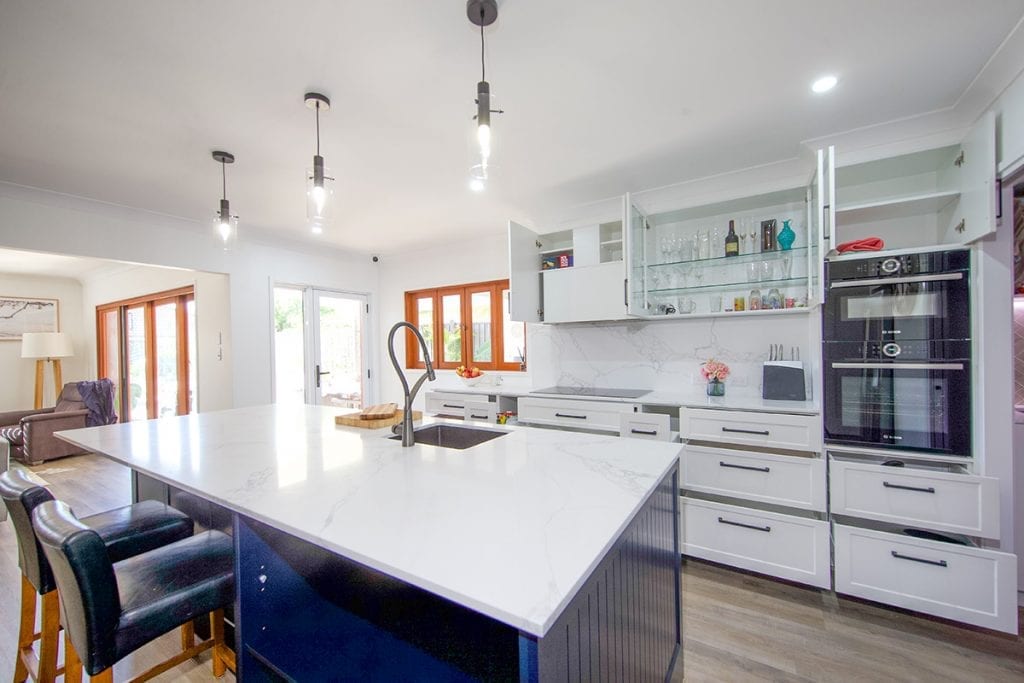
(593,391)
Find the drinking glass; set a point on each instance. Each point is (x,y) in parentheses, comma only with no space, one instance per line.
(715,303)
(753,271)
(767,271)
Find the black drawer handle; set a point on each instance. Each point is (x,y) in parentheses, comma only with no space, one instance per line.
(745,431)
(744,467)
(575,417)
(653,432)
(937,563)
(908,488)
(453,405)
(478,417)
(722,520)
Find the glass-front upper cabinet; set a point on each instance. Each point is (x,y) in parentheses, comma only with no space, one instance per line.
(749,255)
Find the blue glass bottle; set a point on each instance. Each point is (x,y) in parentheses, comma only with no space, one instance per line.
(786,236)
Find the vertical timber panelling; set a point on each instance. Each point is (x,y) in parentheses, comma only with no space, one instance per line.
(624,624)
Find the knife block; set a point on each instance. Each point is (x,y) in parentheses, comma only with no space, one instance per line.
(783,380)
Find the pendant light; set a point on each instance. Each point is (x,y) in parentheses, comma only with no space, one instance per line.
(482,13)
(225,225)
(319,186)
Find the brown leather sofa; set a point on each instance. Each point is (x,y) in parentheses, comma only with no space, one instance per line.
(30,432)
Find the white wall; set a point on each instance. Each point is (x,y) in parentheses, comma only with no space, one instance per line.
(44,221)
(213,320)
(17,390)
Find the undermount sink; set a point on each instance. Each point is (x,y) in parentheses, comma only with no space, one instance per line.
(452,436)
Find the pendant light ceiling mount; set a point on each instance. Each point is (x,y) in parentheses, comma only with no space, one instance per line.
(482,12)
(315,100)
(224,157)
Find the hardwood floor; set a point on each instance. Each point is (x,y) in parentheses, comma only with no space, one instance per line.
(736,626)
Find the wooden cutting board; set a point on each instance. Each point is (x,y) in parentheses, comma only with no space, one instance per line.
(379,411)
(354,420)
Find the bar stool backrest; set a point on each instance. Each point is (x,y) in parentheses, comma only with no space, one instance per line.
(21,496)
(89,603)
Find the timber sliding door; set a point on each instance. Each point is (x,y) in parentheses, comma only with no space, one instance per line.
(145,345)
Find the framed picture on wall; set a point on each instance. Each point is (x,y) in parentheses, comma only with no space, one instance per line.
(21,314)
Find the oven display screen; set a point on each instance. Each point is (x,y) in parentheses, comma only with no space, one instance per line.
(903,305)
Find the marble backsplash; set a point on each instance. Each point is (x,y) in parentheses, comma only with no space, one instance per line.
(666,355)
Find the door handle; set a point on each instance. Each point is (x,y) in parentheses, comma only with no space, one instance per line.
(944,277)
(645,432)
(575,417)
(897,366)
(320,373)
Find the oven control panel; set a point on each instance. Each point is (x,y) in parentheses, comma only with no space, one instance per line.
(917,350)
(899,265)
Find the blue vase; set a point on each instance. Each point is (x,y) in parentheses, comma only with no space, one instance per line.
(786,236)
(716,388)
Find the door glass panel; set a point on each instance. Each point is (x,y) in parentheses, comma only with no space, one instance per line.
(111,344)
(481,326)
(138,398)
(514,342)
(341,351)
(289,347)
(637,296)
(425,322)
(166,331)
(451,317)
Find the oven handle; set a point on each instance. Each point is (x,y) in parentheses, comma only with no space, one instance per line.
(897,366)
(944,277)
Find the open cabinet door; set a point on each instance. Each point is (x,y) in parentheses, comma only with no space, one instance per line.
(634,251)
(524,277)
(975,216)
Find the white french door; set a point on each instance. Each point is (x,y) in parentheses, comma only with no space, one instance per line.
(321,344)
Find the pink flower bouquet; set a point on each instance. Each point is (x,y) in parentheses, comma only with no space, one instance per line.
(714,370)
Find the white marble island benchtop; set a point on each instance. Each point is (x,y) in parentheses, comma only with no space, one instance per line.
(510,528)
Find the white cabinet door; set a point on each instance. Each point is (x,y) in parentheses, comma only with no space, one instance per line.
(820,221)
(634,252)
(975,216)
(584,293)
(524,281)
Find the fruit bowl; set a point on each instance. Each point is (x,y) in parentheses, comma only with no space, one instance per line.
(471,376)
(471,381)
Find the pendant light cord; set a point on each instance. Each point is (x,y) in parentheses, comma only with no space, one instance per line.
(318,128)
(483,64)
(223,179)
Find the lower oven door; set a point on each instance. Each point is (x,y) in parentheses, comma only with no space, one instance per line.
(910,406)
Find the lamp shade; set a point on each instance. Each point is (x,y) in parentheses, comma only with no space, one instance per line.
(46,345)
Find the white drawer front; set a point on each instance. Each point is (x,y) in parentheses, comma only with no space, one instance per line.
(780,479)
(785,546)
(653,426)
(453,404)
(961,503)
(480,411)
(771,430)
(957,582)
(600,415)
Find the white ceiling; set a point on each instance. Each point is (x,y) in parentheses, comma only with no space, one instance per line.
(123,100)
(54,265)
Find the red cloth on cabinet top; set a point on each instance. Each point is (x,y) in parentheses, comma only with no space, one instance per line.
(866,244)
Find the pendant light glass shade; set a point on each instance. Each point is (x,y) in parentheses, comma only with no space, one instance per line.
(225,223)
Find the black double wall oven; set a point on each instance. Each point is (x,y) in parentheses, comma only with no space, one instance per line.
(897,352)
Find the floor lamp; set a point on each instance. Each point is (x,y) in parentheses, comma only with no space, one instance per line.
(46,346)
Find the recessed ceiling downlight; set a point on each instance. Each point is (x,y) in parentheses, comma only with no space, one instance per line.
(824,84)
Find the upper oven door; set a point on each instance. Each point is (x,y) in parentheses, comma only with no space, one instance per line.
(903,405)
(933,306)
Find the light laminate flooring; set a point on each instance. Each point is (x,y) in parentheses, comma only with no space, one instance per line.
(736,626)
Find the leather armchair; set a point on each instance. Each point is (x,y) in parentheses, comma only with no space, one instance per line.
(30,432)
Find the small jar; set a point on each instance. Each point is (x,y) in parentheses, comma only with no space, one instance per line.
(755,299)
(774,299)
(738,304)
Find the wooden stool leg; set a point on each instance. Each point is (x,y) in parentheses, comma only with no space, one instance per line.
(50,637)
(72,664)
(105,676)
(188,636)
(26,631)
(217,634)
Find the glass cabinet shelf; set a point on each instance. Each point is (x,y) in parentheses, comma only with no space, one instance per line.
(733,286)
(721,261)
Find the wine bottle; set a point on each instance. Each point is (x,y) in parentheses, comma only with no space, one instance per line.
(732,241)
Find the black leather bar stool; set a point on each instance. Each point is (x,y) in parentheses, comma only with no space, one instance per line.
(125,532)
(109,609)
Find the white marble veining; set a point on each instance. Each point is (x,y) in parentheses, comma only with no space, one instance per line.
(510,528)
